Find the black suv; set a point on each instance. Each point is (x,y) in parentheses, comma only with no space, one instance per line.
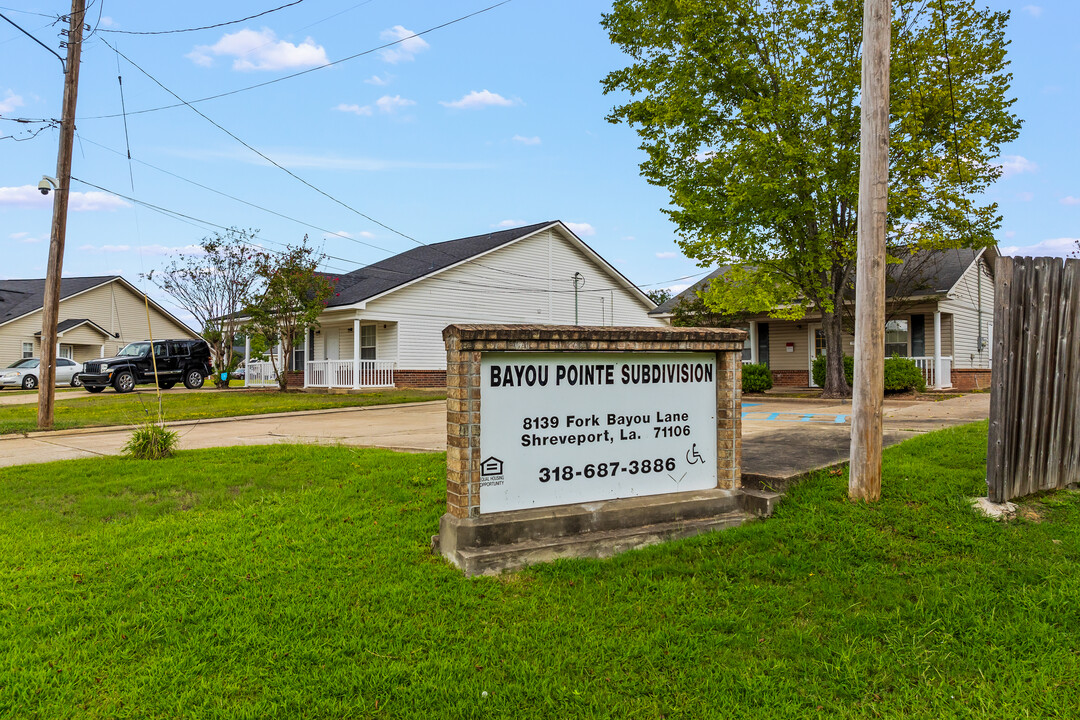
(175,360)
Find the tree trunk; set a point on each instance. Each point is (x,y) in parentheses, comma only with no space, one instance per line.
(836,385)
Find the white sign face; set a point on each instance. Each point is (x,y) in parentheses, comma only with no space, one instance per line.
(561,428)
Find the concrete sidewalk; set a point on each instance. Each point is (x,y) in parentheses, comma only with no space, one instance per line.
(782,439)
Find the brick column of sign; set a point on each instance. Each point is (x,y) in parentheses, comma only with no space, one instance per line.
(728,419)
(462,430)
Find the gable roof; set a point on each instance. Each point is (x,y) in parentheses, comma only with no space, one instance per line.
(923,274)
(64,325)
(406,268)
(19,298)
(22,297)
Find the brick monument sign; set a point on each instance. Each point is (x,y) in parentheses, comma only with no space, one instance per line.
(585,441)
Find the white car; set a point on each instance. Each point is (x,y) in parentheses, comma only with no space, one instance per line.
(24,373)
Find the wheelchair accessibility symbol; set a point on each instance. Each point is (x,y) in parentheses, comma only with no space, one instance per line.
(693,457)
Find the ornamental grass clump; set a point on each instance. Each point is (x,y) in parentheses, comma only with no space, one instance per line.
(151,441)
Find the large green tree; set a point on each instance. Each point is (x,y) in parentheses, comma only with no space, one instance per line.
(748,112)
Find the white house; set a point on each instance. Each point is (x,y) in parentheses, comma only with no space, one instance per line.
(383,326)
(940,313)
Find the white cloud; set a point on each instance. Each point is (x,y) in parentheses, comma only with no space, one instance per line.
(534,140)
(107,21)
(354,109)
(1033,10)
(1070,200)
(1057,247)
(581,229)
(405,50)
(365,234)
(677,288)
(666,255)
(28,196)
(1025,196)
(25,237)
(1015,165)
(475,100)
(260,51)
(339,233)
(10,102)
(378,80)
(509,223)
(104,248)
(167,250)
(391,105)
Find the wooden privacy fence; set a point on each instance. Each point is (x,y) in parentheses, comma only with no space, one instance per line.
(1035,387)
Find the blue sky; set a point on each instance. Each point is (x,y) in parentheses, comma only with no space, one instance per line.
(492,121)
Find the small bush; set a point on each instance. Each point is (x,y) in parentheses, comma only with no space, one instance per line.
(902,375)
(151,442)
(819,370)
(756,378)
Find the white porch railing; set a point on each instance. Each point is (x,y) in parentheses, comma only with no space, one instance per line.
(342,373)
(926,364)
(260,374)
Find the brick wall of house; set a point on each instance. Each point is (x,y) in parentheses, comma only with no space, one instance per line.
(791,378)
(420,378)
(970,379)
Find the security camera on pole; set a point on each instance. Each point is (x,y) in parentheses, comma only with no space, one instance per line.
(51,309)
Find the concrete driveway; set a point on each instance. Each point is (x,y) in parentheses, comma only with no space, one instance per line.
(782,438)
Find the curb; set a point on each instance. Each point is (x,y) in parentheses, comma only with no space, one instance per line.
(207,421)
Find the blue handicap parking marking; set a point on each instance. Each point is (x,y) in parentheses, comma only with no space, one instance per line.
(796,417)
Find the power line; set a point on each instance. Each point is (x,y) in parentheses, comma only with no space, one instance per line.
(241,200)
(304,72)
(30,12)
(185,217)
(261,154)
(27,34)
(204,27)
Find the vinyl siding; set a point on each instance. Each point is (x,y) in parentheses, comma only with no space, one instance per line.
(112,306)
(528,281)
(963,305)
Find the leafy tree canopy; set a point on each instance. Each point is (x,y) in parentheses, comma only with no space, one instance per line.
(748,113)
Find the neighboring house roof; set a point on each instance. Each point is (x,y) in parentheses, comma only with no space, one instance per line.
(22,297)
(923,274)
(19,298)
(64,325)
(405,268)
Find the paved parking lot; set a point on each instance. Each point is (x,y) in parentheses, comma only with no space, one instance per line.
(781,438)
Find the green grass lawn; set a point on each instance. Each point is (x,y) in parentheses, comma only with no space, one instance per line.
(296,582)
(110,408)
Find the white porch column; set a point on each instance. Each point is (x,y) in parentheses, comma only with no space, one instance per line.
(753,341)
(937,349)
(356,352)
(247,355)
(102,350)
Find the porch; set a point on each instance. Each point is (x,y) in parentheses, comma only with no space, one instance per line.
(342,353)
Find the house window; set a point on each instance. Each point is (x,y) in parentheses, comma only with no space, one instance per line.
(747,351)
(28,350)
(896,338)
(66,352)
(298,354)
(367,342)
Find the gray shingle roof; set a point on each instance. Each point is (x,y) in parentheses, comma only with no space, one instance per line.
(377,278)
(65,325)
(19,297)
(935,272)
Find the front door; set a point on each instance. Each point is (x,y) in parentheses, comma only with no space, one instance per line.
(816,343)
(331,344)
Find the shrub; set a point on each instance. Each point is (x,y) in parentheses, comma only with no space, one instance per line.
(151,442)
(756,378)
(902,374)
(819,370)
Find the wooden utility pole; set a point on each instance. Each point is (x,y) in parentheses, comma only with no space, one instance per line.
(51,307)
(869,390)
